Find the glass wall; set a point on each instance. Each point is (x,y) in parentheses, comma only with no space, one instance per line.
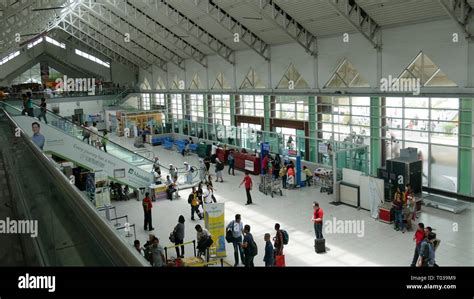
(221,109)
(197,107)
(177,106)
(251,105)
(145,101)
(431,125)
(291,107)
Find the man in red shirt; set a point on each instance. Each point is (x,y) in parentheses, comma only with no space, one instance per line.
(318,220)
(248,186)
(418,237)
(147,205)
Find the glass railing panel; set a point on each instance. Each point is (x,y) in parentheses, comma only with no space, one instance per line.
(64,238)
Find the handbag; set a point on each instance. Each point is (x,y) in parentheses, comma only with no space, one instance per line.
(172,237)
(419,262)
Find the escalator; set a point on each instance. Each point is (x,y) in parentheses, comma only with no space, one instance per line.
(68,231)
(63,138)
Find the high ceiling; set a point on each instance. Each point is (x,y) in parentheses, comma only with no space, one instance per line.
(163,31)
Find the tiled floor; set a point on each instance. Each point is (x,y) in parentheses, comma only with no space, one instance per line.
(380,245)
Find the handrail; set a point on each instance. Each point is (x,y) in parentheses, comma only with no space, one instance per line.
(115,247)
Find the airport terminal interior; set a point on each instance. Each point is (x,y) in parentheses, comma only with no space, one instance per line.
(342,129)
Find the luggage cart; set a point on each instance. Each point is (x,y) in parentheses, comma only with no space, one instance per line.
(270,185)
(322,178)
(193,261)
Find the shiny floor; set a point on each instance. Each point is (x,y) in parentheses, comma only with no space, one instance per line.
(378,244)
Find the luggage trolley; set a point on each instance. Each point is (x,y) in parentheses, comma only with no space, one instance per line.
(323,179)
(270,185)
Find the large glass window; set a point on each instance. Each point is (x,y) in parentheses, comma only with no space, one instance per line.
(221,109)
(291,107)
(177,106)
(251,105)
(197,107)
(431,126)
(145,101)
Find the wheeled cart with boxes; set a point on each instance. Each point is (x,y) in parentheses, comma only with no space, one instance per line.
(269,185)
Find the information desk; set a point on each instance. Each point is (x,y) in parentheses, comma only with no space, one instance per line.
(222,155)
(247,162)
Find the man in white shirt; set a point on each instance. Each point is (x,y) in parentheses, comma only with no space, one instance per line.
(213,152)
(94,134)
(237,228)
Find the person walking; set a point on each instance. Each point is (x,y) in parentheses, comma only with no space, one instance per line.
(178,233)
(105,140)
(219,169)
(248,186)
(37,137)
(43,111)
(237,228)
(207,163)
(318,220)
(250,247)
(147,206)
(86,134)
(24,103)
(231,161)
(173,171)
(269,258)
(418,237)
(188,172)
(194,202)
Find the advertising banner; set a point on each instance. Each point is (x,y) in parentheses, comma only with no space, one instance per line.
(214,223)
(85,155)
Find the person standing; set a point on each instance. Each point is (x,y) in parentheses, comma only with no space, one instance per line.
(24,101)
(249,246)
(418,237)
(37,137)
(318,220)
(231,161)
(278,241)
(207,163)
(29,103)
(283,176)
(202,171)
(178,233)
(86,134)
(147,206)
(173,173)
(104,140)
(94,134)
(188,173)
(43,111)
(397,205)
(248,186)
(213,152)
(157,253)
(219,168)
(136,245)
(237,228)
(269,258)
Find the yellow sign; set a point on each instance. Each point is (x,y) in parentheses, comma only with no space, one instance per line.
(214,223)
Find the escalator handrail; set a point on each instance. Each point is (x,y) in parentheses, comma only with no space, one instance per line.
(116,248)
(100,136)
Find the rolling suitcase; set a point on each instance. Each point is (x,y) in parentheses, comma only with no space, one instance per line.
(320,245)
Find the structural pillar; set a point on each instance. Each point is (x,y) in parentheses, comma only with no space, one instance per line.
(313,143)
(465,147)
(375,135)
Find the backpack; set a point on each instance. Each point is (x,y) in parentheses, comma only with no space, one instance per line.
(190,198)
(253,249)
(220,166)
(286,238)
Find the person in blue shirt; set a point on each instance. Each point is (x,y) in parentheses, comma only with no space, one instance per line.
(230,161)
(29,103)
(37,138)
(268,258)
